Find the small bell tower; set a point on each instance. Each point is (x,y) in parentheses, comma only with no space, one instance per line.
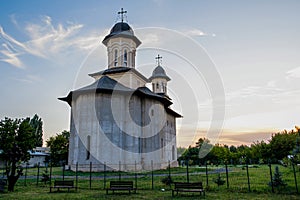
(159,78)
(121,44)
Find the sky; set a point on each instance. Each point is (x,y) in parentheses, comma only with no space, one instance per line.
(234,65)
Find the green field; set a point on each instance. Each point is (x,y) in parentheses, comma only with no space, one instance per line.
(259,177)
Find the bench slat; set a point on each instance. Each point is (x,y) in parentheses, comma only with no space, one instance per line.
(121,185)
(188,187)
(63,184)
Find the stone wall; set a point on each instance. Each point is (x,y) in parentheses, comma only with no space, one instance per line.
(119,128)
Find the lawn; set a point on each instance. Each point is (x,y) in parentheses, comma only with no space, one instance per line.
(259,177)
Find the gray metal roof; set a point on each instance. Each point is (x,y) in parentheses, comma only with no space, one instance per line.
(115,70)
(104,83)
(108,85)
(159,72)
(121,29)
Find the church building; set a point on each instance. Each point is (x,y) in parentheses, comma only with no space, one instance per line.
(117,120)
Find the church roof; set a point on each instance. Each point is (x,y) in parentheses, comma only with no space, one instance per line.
(159,72)
(115,70)
(121,29)
(108,85)
(104,83)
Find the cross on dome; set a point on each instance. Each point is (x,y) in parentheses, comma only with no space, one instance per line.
(122,12)
(158,59)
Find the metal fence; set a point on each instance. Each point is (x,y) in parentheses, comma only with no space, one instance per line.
(239,178)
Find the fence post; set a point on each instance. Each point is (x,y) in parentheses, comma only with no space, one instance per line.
(271,177)
(119,170)
(206,172)
(295,177)
(25,173)
(169,169)
(187,171)
(50,173)
(90,175)
(247,168)
(104,184)
(135,174)
(76,174)
(226,167)
(38,174)
(170,172)
(63,171)
(152,174)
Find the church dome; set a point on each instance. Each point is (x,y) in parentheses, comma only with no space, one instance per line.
(121,29)
(159,72)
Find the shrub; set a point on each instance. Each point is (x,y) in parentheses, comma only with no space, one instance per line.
(167,180)
(219,181)
(277,180)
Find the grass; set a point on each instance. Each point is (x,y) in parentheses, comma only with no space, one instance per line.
(41,192)
(259,177)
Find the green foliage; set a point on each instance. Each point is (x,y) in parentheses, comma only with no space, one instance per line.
(45,177)
(279,147)
(282,144)
(192,153)
(16,139)
(37,125)
(181,150)
(277,180)
(219,181)
(59,148)
(296,150)
(167,180)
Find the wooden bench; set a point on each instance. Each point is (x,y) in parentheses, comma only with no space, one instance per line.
(63,184)
(121,185)
(188,187)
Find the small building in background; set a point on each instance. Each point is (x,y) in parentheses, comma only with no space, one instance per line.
(38,155)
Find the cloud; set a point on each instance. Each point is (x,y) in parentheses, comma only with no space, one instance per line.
(254,91)
(47,41)
(9,55)
(195,32)
(238,138)
(294,73)
(30,79)
(10,50)
(198,32)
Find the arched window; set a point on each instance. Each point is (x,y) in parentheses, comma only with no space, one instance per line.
(157,86)
(153,87)
(88,147)
(116,58)
(173,152)
(125,58)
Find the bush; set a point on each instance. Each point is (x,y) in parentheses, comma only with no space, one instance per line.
(167,180)
(45,177)
(277,180)
(219,181)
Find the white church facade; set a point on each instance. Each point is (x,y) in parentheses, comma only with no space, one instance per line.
(117,120)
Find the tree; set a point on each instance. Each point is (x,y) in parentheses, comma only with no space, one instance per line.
(16,139)
(296,150)
(277,180)
(59,148)
(180,150)
(37,125)
(282,144)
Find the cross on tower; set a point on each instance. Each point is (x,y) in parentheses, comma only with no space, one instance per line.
(158,59)
(122,12)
